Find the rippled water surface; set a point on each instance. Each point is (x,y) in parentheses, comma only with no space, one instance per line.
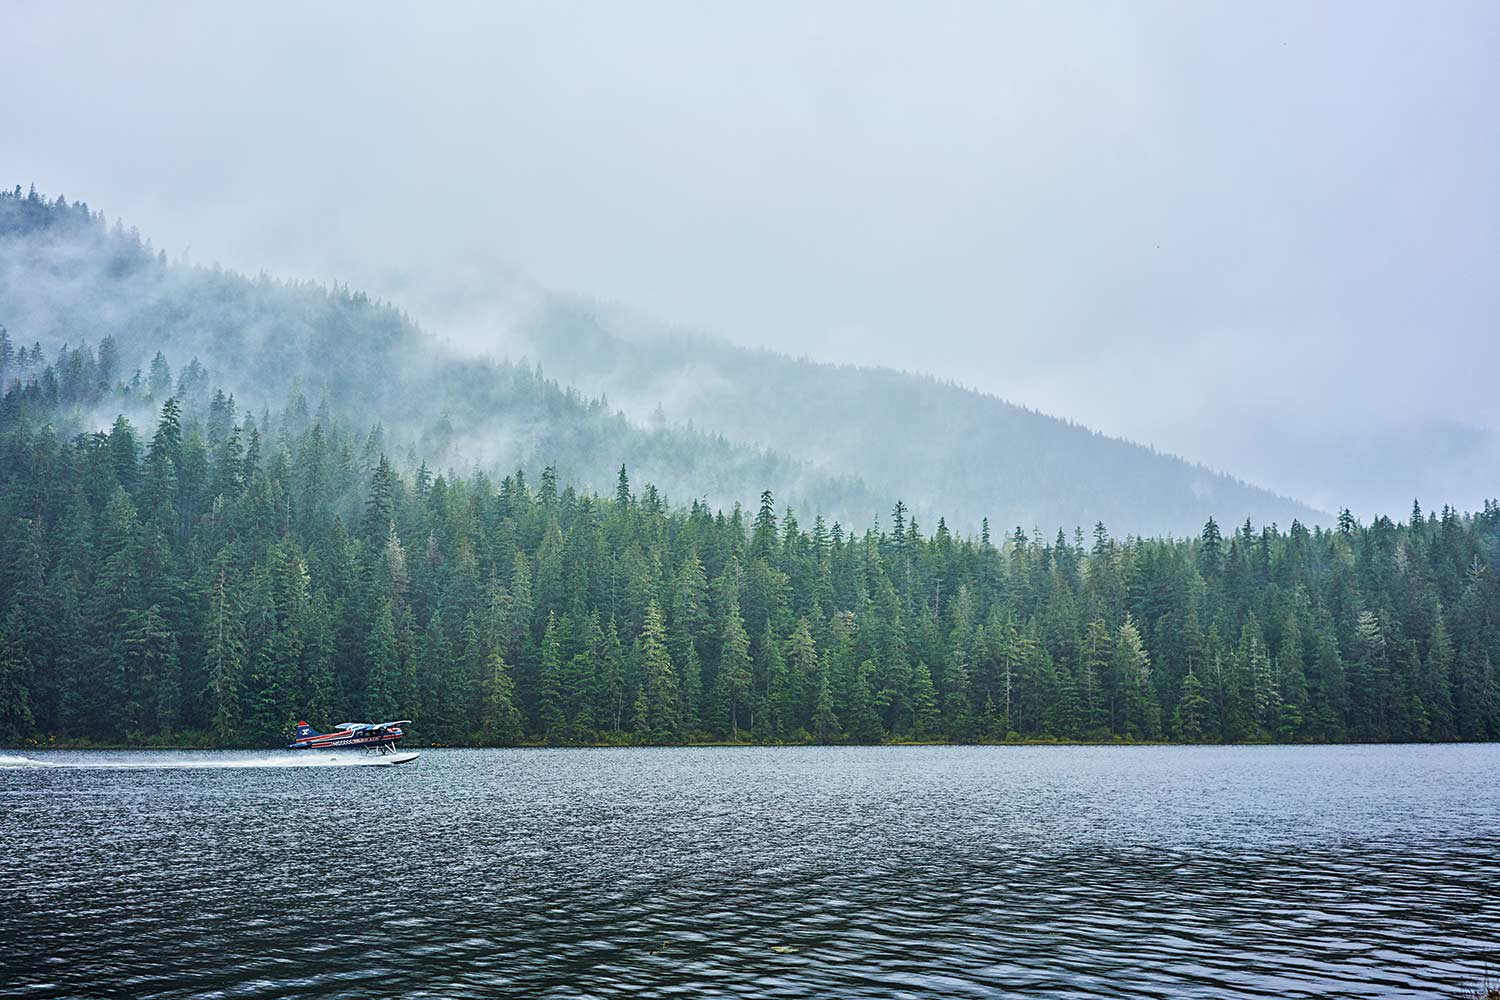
(817,872)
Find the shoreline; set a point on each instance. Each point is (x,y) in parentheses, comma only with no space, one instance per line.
(729,745)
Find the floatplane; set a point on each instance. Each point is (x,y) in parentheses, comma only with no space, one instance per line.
(372,737)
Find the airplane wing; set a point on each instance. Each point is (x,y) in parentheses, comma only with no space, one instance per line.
(354,728)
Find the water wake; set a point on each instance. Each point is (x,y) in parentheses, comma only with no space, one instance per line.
(148,761)
(12,762)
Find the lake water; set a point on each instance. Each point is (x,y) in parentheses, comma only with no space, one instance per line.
(809,872)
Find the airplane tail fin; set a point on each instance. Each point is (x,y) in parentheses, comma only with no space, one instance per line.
(304,731)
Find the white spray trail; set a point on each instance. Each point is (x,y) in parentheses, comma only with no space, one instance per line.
(151,762)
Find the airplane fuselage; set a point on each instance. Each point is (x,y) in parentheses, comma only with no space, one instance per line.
(338,741)
(360,738)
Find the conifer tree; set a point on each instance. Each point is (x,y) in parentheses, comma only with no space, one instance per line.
(500,723)
(551,719)
(734,671)
(924,704)
(659,692)
(1099,688)
(804,676)
(611,692)
(383,689)
(16,670)
(318,695)
(1141,716)
(1190,720)
(1435,686)
(778,704)
(825,724)
(225,658)
(1292,682)
(149,657)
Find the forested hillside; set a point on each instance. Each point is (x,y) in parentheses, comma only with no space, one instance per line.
(215,576)
(949,450)
(68,278)
(177,566)
(731,421)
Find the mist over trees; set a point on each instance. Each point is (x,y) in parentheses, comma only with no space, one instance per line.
(709,420)
(218,576)
(207,571)
(950,451)
(67,277)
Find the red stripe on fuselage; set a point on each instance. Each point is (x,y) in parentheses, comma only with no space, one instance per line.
(345,740)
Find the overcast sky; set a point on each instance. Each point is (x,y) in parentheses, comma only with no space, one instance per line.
(1263,236)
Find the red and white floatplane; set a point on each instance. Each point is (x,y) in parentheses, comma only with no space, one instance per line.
(372,737)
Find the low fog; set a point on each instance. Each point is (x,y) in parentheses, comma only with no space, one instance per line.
(1262,238)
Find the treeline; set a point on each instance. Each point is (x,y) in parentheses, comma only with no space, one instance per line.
(226,574)
(67,278)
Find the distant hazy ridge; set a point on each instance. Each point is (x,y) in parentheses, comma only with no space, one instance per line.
(946,450)
(843,440)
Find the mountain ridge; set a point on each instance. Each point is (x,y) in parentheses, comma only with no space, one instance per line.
(809,396)
(712,419)
(66,277)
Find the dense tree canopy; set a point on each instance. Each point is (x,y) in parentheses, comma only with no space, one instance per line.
(200,572)
(712,421)
(218,575)
(68,278)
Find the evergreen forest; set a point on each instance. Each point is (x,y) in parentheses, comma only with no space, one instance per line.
(179,569)
(697,417)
